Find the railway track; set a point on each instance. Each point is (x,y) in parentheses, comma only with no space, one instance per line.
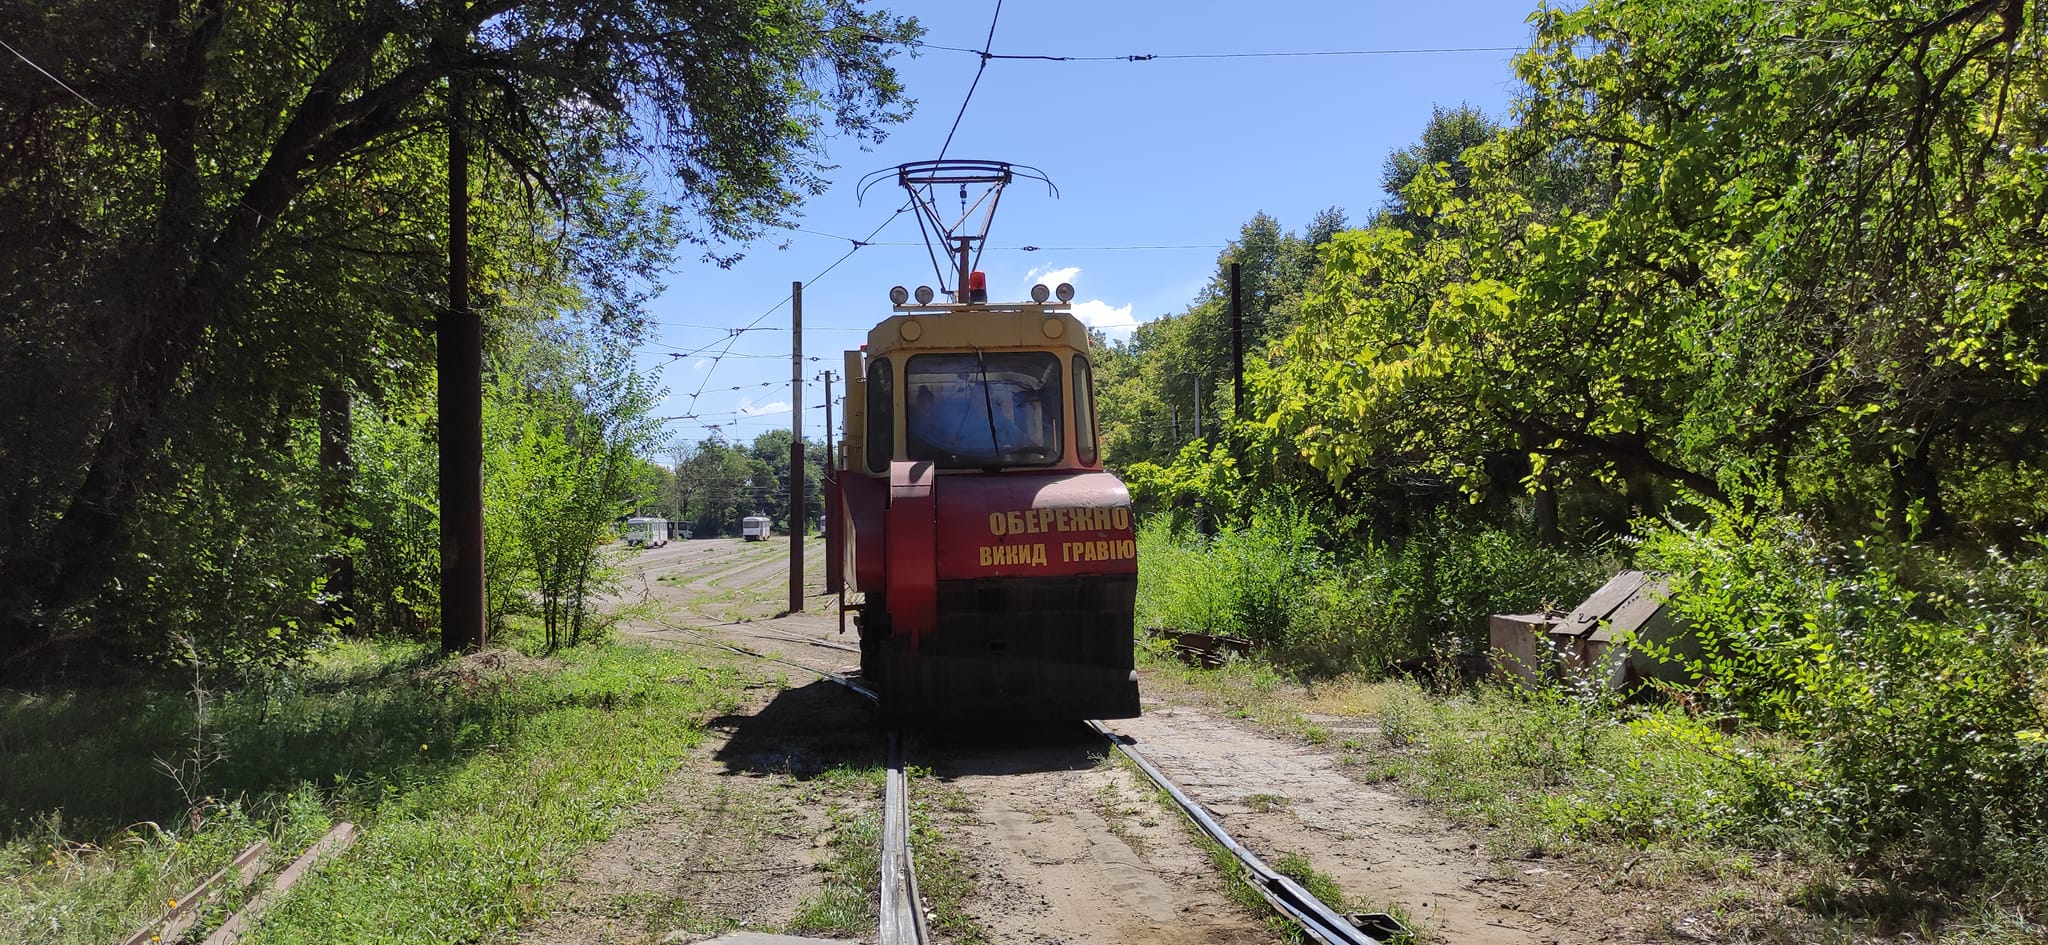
(902,918)
(1317,920)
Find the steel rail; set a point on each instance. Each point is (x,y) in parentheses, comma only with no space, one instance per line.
(902,915)
(902,919)
(1317,920)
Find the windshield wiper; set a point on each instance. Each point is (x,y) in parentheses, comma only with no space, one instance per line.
(988,405)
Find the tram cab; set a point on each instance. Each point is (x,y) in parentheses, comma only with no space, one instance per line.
(988,558)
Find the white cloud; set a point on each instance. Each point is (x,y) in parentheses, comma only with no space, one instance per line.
(1050,276)
(1116,321)
(748,408)
(700,364)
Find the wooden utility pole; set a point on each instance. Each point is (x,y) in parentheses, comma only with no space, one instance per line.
(459,362)
(796,447)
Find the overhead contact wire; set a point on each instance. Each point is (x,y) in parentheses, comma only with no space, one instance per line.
(986,45)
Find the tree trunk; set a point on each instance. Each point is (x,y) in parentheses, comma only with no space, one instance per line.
(1547,532)
(1914,482)
(337,433)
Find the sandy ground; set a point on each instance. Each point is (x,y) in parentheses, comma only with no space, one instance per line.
(1064,846)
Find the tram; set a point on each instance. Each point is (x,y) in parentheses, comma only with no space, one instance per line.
(987,558)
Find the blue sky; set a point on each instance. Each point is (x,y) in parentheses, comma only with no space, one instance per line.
(1158,164)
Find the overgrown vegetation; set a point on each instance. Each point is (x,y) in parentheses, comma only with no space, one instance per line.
(1751,296)
(217,377)
(1361,606)
(473,782)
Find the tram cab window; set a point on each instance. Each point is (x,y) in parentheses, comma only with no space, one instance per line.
(1084,412)
(881,415)
(976,410)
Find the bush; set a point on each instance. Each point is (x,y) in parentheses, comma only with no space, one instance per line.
(1925,707)
(1241,583)
(1441,584)
(1271,583)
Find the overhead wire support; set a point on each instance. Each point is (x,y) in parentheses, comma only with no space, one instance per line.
(964,236)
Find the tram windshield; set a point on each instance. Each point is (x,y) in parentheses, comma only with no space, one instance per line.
(979,409)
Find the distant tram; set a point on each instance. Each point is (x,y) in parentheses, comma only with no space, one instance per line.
(755,528)
(647,532)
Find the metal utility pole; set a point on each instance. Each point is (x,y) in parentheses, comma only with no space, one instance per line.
(796,447)
(459,363)
(1197,377)
(831,457)
(1236,346)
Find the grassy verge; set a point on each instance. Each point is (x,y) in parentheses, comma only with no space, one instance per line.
(475,780)
(943,877)
(846,906)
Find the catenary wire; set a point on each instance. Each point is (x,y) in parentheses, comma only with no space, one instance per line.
(986,45)
(987,55)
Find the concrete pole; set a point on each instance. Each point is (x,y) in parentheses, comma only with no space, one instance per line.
(796,447)
(459,359)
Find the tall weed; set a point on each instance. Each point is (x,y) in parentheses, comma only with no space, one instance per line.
(1310,610)
(1924,707)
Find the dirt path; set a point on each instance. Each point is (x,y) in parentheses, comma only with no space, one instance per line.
(734,839)
(1069,848)
(1382,848)
(1063,846)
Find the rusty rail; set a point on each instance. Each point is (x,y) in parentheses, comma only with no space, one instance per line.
(1317,920)
(902,913)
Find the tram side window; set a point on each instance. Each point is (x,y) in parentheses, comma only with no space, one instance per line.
(881,415)
(1084,411)
(976,410)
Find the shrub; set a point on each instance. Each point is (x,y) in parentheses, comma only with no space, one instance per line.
(1442,584)
(1271,583)
(1925,709)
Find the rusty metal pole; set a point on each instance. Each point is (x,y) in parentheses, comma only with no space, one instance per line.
(796,447)
(960,294)
(459,354)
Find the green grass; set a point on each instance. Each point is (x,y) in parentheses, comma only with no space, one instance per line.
(847,903)
(846,906)
(474,781)
(944,879)
(1550,772)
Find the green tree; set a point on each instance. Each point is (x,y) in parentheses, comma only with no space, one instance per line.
(232,205)
(1798,269)
(1148,385)
(1449,134)
(564,431)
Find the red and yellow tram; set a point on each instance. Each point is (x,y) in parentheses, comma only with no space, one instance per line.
(986,555)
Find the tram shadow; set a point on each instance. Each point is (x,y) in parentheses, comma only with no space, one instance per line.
(801,732)
(1008,749)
